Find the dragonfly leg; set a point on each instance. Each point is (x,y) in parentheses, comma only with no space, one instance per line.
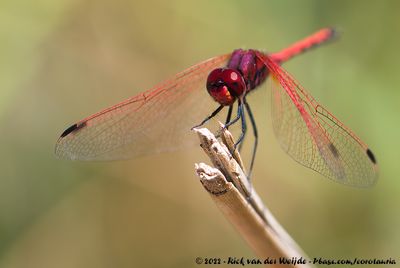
(228,116)
(244,131)
(238,115)
(244,127)
(255,132)
(210,116)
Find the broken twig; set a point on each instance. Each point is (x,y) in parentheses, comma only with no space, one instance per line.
(238,201)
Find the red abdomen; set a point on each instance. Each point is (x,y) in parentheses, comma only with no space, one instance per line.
(245,71)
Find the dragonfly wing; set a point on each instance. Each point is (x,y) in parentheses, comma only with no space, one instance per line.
(313,136)
(301,137)
(156,120)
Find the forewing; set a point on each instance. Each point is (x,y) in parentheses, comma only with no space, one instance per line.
(313,136)
(156,120)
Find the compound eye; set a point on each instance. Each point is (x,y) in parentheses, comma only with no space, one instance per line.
(215,78)
(225,85)
(234,81)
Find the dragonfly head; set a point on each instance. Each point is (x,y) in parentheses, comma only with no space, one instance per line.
(225,85)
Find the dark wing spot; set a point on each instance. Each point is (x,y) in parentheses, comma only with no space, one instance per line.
(334,33)
(334,150)
(73,128)
(371,156)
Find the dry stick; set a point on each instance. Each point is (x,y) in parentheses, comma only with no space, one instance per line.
(239,202)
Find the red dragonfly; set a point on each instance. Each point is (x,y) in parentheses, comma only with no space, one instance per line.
(160,118)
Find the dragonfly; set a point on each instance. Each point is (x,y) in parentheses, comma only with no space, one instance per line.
(159,119)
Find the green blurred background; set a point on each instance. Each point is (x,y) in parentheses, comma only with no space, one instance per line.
(63,60)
